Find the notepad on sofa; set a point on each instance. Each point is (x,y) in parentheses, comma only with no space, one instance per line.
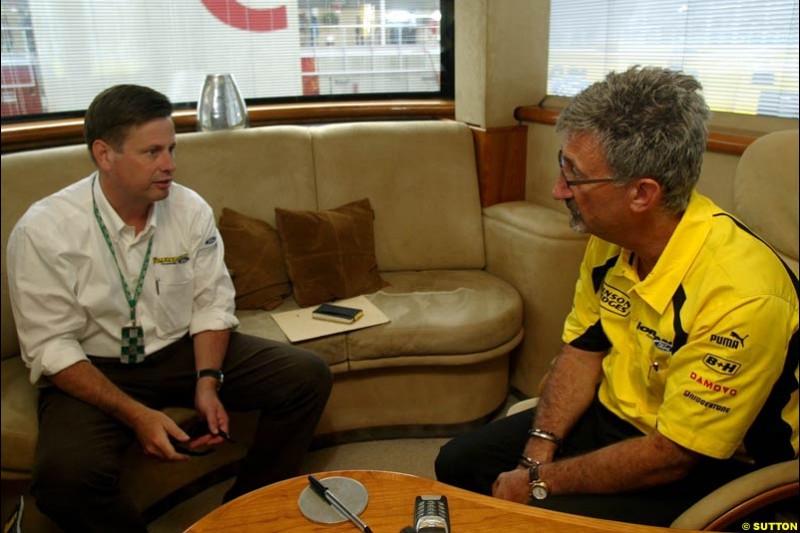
(299,324)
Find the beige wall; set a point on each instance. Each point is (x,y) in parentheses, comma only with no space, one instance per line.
(500,61)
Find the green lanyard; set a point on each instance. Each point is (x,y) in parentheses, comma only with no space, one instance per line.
(132,336)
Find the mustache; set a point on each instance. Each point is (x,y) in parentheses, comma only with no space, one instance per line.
(572,207)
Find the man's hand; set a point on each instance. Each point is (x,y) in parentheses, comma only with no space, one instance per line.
(154,429)
(208,404)
(513,486)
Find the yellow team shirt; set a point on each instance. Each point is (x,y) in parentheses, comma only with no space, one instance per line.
(705,348)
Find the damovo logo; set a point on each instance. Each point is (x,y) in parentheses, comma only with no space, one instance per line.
(233,13)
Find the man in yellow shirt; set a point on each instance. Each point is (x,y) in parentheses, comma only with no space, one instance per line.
(681,349)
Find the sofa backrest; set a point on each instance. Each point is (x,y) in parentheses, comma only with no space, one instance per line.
(765,191)
(26,178)
(421,179)
(252,171)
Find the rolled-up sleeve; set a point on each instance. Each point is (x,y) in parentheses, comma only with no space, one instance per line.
(46,312)
(213,305)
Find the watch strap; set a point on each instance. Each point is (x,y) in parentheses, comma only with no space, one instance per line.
(538,488)
(533,472)
(212,373)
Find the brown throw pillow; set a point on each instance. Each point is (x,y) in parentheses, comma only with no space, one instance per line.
(329,254)
(253,254)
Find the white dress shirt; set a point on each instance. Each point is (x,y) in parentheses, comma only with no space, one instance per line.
(66,293)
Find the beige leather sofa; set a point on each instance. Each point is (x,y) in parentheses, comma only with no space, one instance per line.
(442,361)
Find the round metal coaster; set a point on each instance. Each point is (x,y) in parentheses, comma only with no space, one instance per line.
(350,492)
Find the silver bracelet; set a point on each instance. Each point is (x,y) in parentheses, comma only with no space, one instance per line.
(546,435)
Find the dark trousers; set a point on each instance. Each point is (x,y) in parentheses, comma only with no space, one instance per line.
(77,465)
(474,460)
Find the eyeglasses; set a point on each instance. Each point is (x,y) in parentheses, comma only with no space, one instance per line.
(572,183)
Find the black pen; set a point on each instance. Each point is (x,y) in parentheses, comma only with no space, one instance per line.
(328,496)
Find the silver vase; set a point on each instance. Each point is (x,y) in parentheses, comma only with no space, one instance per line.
(221,106)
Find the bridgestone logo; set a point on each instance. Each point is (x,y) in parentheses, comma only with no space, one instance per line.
(707,405)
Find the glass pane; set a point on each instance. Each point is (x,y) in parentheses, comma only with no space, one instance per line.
(744,52)
(58,54)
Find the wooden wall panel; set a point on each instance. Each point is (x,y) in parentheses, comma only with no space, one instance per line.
(501,157)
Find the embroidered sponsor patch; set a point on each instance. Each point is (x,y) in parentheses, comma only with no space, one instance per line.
(615,301)
(720,365)
(707,405)
(660,343)
(176,260)
(732,340)
(710,384)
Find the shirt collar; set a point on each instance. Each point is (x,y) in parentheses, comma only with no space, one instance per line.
(658,288)
(116,226)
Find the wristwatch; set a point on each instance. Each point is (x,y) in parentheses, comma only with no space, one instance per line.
(539,489)
(212,373)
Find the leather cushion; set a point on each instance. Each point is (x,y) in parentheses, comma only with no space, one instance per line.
(435,313)
(329,254)
(331,349)
(253,254)
(19,423)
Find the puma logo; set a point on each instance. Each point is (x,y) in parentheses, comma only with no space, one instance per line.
(739,338)
(735,340)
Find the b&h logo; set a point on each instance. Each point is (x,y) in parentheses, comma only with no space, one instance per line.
(721,365)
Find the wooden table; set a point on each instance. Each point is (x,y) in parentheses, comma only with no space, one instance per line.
(391,507)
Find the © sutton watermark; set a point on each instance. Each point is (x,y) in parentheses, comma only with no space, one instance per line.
(769,526)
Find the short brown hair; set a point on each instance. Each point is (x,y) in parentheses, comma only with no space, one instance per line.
(115,110)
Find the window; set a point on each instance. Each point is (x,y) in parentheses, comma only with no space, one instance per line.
(744,52)
(58,54)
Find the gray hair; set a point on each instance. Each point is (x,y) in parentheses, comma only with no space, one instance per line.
(651,122)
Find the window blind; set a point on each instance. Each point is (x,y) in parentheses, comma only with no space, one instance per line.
(58,54)
(744,52)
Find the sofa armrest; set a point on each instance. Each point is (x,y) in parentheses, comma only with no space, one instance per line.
(533,248)
(742,496)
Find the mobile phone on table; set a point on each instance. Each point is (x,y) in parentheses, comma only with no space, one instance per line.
(431,514)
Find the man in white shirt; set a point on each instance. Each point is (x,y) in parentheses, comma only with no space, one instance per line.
(124,305)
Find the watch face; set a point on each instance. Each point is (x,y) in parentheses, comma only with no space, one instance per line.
(539,491)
